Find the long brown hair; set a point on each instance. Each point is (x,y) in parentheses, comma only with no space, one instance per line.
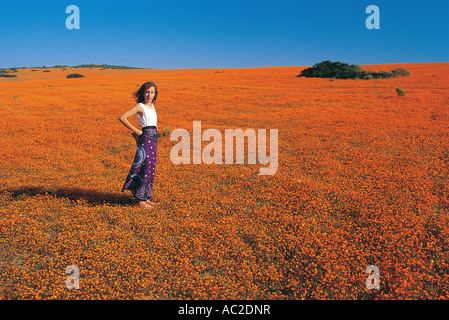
(138,95)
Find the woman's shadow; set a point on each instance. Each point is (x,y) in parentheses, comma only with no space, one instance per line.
(90,196)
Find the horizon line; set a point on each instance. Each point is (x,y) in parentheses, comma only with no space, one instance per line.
(205,68)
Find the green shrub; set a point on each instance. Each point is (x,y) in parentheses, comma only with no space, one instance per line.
(400,72)
(400,91)
(328,69)
(165,132)
(75,75)
(9,70)
(340,70)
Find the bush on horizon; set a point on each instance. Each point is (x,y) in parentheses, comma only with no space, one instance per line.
(340,70)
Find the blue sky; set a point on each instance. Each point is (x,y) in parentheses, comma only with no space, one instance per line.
(227,34)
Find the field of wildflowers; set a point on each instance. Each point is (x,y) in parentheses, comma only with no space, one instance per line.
(362,180)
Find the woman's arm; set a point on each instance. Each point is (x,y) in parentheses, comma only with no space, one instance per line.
(124,119)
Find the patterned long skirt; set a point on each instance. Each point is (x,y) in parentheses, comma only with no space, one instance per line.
(141,175)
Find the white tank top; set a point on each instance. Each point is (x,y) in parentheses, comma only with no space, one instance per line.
(149,117)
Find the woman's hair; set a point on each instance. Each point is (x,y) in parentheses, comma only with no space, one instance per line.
(139,93)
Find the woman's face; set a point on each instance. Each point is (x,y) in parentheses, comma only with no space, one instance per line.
(149,94)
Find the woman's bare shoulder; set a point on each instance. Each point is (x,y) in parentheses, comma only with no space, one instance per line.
(136,109)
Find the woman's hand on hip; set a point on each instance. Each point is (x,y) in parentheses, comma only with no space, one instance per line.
(136,135)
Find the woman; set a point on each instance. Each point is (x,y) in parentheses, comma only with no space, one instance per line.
(141,175)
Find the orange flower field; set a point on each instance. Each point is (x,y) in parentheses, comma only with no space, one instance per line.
(362,180)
